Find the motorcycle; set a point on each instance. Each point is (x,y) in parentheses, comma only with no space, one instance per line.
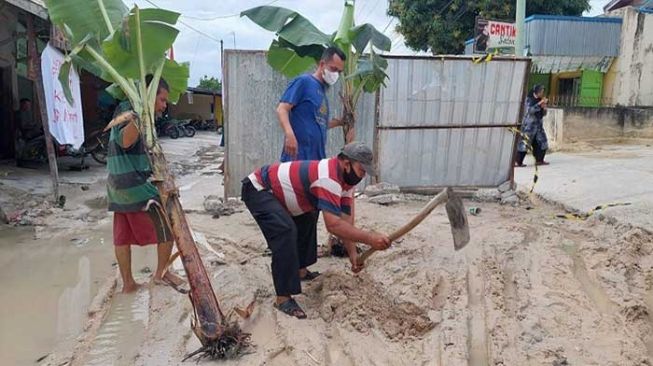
(167,127)
(186,128)
(204,125)
(35,150)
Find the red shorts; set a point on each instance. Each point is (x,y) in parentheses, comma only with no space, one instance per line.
(140,228)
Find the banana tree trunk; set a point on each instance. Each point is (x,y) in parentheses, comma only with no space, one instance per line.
(209,323)
(348,117)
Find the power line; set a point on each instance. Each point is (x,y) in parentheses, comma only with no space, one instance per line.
(190,27)
(219,16)
(388,26)
(371,10)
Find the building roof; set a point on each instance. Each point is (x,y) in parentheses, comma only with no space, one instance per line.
(554,35)
(203,91)
(618,4)
(36,7)
(575,19)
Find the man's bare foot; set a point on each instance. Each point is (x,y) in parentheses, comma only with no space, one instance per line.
(129,288)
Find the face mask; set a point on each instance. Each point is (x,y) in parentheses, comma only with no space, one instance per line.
(351,178)
(330,77)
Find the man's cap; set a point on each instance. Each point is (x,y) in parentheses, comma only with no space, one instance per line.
(359,152)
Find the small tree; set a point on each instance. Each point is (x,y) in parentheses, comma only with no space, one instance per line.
(210,83)
(122,46)
(299,46)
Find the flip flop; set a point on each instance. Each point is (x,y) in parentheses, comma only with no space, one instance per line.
(520,165)
(540,163)
(310,276)
(290,307)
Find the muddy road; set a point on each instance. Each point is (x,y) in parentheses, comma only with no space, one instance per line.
(529,289)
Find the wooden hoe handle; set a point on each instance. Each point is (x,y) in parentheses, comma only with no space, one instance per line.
(441,198)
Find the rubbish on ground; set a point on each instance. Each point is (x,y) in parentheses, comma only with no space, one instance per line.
(80,242)
(216,206)
(386,199)
(505,187)
(474,211)
(381,189)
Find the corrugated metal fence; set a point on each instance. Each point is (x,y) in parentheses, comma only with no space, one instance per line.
(442,121)
(251,93)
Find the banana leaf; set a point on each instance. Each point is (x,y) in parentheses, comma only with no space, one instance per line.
(84,17)
(287,61)
(158,34)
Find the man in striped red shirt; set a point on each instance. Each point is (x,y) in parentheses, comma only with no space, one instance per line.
(278,194)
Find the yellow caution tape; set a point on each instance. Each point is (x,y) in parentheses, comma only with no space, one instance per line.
(582,216)
(487,58)
(529,149)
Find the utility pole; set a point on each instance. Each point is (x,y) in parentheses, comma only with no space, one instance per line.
(36,76)
(520,16)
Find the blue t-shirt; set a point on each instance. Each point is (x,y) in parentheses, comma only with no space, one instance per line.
(309,117)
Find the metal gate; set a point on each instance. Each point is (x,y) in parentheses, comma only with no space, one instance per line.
(444,121)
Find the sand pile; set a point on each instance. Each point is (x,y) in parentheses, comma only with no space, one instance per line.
(364,305)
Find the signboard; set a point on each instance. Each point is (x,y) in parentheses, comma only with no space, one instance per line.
(66,121)
(493,35)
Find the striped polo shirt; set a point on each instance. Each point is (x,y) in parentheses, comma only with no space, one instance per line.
(128,186)
(306,186)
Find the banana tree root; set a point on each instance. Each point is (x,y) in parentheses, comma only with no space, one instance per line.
(232,344)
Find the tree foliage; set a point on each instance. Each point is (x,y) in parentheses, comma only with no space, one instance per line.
(210,83)
(443,26)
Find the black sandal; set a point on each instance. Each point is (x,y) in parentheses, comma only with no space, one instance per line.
(310,276)
(290,307)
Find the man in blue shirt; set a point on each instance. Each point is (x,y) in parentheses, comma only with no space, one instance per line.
(303,113)
(303,110)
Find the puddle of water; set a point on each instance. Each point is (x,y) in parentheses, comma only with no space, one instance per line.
(48,285)
(123,331)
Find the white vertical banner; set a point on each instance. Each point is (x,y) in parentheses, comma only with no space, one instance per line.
(66,121)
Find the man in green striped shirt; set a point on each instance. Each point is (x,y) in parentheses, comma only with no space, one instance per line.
(134,200)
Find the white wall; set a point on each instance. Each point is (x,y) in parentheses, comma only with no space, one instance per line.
(633,84)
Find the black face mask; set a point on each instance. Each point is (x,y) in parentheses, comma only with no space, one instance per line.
(351,178)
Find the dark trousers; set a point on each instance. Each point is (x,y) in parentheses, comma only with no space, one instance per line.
(538,153)
(292,241)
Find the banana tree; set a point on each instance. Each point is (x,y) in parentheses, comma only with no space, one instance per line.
(122,46)
(299,45)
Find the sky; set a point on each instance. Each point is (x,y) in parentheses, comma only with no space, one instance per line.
(218,20)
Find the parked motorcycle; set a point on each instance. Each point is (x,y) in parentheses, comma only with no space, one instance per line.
(168,128)
(35,150)
(186,128)
(204,125)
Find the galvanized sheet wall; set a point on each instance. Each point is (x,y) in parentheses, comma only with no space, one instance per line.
(253,136)
(547,37)
(427,116)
